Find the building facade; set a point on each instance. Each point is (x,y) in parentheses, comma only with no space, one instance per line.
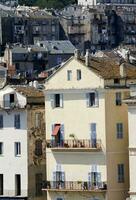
(86,131)
(22,156)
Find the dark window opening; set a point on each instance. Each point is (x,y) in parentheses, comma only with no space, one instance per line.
(57,100)
(92,99)
(38,184)
(1,184)
(38,147)
(116,81)
(12,98)
(17,184)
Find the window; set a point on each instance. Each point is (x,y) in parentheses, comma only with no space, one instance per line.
(17,121)
(1,121)
(119,129)
(1,148)
(17,148)
(78,74)
(38,147)
(59,199)
(58,100)
(17,184)
(118,98)
(120,173)
(69,75)
(116,81)
(92,99)
(37,120)
(1,184)
(38,184)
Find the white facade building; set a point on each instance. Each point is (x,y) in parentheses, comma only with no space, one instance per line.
(22,162)
(13,144)
(87,2)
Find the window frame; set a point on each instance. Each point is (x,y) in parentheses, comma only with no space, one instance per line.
(17,121)
(96,99)
(79,75)
(121,176)
(69,75)
(119,130)
(1,148)
(118,97)
(17,149)
(1,122)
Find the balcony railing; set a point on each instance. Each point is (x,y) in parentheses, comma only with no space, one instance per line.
(74,186)
(75,144)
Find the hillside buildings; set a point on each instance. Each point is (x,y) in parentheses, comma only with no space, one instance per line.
(22,143)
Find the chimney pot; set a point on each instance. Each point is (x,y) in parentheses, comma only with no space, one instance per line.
(87,56)
(77,53)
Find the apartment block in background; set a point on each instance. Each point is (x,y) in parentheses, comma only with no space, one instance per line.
(86,129)
(22,141)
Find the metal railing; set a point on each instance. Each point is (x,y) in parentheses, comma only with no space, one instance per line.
(74,185)
(94,144)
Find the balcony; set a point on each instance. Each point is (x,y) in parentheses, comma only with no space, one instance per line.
(14,105)
(75,145)
(74,186)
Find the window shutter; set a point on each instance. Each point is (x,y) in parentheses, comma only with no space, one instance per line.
(6,100)
(1,121)
(96,99)
(89,180)
(99,183)
(62,133)
(61,100)
(52,100)
(87,100)
(54,180)
(52,137)
(63,176)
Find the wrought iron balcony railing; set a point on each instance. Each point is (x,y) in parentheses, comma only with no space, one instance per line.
(74,186)
(75,144)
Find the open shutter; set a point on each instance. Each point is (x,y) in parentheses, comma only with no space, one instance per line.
(52,137)
(52,100)
(61,100)
(62,134)
(89,181)
(96,98)
(63,180)
(99,183)
(1,121)
(87,100)
(54,180)
(6,100)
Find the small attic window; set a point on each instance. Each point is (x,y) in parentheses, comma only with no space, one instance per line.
(116,81)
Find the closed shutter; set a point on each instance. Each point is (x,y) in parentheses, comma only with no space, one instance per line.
(61,100)
(1,121)
(99,183)
(6,100)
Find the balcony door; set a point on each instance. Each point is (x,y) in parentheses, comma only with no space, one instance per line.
(59,179)
(58,135)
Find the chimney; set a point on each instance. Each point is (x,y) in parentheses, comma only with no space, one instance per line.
(87,56)
(123,72)
(77,53)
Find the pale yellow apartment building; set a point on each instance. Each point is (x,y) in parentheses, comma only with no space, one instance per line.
(87,130)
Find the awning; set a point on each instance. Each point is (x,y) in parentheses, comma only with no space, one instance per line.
(56,130)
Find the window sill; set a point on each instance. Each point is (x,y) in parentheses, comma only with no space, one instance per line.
(17,156)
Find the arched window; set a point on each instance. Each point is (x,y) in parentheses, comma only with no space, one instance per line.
(38,147)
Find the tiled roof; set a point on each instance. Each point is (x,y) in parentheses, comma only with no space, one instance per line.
(108,69)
